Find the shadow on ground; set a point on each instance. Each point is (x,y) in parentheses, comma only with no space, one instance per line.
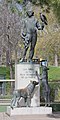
(54,115)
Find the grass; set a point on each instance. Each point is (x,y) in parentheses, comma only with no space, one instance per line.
(6,97)
(54,73)
(3,108)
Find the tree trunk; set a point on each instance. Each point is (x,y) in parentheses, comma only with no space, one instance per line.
(56,60)
(15,56)
(1,55)
(5,13)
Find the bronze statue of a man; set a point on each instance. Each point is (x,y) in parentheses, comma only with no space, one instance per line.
(29,34)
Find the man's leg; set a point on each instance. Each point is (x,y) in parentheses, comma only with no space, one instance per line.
(32,47)
(26,46)
(24,54)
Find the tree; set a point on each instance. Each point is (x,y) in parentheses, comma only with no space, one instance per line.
(11,26)
(11,46)
(48,46)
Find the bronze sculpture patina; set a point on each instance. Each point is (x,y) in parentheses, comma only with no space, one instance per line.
(25,93)
(45,85)
(44,79)
(29,34)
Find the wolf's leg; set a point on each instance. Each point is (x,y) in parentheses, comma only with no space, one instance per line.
(15,99)
(13,102)
(48,98)
(29,101)
(45,97)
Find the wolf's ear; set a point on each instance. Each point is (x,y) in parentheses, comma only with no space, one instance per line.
(31,81)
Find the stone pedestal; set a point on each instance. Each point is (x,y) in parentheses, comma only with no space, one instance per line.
(24,73)
(29,111)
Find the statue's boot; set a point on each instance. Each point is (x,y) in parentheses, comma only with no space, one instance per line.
(24,54)
(30,61)
(22,60)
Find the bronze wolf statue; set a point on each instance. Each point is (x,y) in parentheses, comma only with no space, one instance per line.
(25,93)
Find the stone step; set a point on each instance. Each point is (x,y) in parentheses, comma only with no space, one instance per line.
(29,110)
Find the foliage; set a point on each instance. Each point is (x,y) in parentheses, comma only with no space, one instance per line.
(48,41)
(56,107)
(54,73)
(42,2)
(5,71)
(54,92)
(56,8)
(8,88)
(54,4)
(55,88)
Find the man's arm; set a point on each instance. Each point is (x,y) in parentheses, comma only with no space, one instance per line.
(39,26)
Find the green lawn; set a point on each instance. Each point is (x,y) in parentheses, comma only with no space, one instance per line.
(54,73)
(3,108)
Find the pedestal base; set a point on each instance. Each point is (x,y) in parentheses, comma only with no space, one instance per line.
(29,110)
(24,73)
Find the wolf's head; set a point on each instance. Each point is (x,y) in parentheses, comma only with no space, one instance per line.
(34,83)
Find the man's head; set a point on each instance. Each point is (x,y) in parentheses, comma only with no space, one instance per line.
(29,9)
(30,13)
